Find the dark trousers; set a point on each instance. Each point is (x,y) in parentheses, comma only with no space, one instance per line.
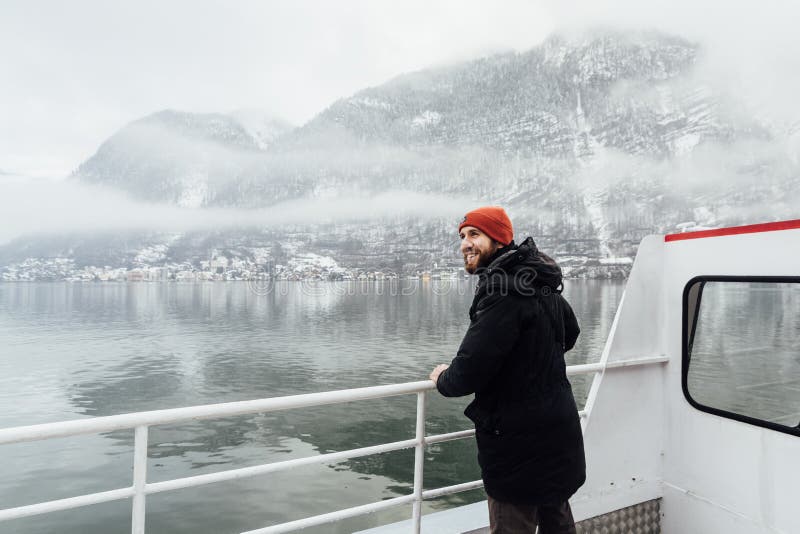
(507,518)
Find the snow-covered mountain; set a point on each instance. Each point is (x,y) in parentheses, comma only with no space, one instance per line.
(189,159)
(262,127)
(590,142)
(553,101)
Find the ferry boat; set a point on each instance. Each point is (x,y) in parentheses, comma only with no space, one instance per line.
(665,453)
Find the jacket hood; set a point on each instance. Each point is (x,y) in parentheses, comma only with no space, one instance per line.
(523,269)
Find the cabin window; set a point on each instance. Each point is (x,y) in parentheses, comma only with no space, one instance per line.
(741,349)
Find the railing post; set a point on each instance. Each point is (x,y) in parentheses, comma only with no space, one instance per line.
(139,479)
(419,461)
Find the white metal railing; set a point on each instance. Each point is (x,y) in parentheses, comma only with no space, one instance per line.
(142,421)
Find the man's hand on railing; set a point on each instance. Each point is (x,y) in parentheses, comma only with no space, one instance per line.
(437,371)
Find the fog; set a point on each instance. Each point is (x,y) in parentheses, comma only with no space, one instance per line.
(73,74)
(63,92)
(45,206)
(76,73)
(750,50)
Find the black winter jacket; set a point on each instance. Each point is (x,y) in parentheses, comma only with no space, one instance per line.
(530,445)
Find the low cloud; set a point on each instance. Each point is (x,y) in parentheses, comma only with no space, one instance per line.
(748,50)
(48,207)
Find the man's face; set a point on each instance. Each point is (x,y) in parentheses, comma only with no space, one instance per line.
(477,248)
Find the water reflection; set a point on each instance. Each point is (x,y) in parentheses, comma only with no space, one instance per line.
(75,350)
(746,358)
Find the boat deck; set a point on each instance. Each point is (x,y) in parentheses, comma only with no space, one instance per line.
(643,518)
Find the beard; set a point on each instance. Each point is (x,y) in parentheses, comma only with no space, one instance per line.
(478,260)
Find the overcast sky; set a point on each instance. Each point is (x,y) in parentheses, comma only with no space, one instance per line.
(75,72)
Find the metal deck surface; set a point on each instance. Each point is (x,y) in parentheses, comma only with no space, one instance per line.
(642,518)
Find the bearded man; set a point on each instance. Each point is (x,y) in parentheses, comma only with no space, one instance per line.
(530,444)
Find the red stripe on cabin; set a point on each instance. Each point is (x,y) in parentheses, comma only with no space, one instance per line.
(735,230)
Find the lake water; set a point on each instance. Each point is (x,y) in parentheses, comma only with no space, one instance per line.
(82,350)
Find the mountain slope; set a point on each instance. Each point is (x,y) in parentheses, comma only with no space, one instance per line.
(188,159)
(590,142)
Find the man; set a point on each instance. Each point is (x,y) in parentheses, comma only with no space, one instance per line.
(530,445)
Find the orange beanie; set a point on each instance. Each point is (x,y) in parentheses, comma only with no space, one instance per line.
(492,221)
